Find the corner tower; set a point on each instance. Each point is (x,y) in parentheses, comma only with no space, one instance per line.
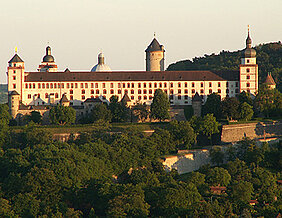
(155,56)
(249,68)
(15,73)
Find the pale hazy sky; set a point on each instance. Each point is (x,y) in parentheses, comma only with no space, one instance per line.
(77,30)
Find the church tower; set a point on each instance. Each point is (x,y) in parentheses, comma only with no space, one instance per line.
(48,63)
(15,73)
(155,56)
(249,69)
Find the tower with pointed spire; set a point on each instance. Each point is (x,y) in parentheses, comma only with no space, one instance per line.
(249,68)
(269,81)
(155,56)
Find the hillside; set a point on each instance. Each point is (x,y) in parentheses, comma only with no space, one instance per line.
(269,59)
(3,93)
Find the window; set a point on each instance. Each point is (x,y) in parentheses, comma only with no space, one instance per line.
(193,85)
(179,97)
(81,85)
(227,84)
(186,97)
(236,90)
(55,85)
(33,85)
(38,95)
(72,85)
(185,85)
(171,92)
(56,95)
(96,85)
(63,85)
(97,92)
(155,85)
(179,85)
(123,85)
(202,84)
(248,84)
(51,85)
(126,91)
(144,91)
(119,91)
(150,97)
(144,85)
(139,97)
(39,85)
(139,85)
(210,91)
(237,84)
(43,85)
(29,96)
(227,90)
(14,77)
(132,91)
(171,85)
(132,85)
(14,71)
(219,90)
(86,85)
(248,61)
(92,92)
(82,91)
(186,91)
(150,91)
(132,97)
(46,95)
(68,85)
(218,84)
(77,85)
(26,86)
(59,85)
(210,84)
(92,85)
(165,85)
(202,91)
(165,91)
(248,76)
(104,91)
(150,85)
(83,97)
(145,97)
(179,91)
(14,86)
(128,85)
(248,90)
(139,91)
(193,91)
(248,70)
(119,85)
(30,85)
(71,91)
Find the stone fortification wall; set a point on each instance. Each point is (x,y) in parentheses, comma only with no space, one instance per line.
(234,133)
(185,163)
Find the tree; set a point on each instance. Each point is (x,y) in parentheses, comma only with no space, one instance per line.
(268,101)
(213,106)
(242,191)
(160,106)
(101,112)
(5,116)
(246,111)
(142,111)
(209,126)
(33,116)
(120,112)
(62,115)
(183,133)
(216,155)
(218,176)
(245,97)
(230,108)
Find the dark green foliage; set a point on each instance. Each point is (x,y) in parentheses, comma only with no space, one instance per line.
(142,111)
(3,93)
(246,111)
(100,112)
(218,176)
(269,101)
(188,112)
(269,59)
(33,116)
(213,106)
(230,108)
(209,126)
(120,112)
(5,118)
(160,106)
(62,115)
(216,155)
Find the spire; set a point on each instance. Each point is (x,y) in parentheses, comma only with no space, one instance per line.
(248,40)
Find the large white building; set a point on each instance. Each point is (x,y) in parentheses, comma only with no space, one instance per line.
(46,85)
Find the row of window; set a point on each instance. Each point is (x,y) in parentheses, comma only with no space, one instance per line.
(120,85)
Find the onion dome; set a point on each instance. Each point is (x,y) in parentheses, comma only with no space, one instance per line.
(48,57)
(249,52)
(154,46)
(101,66)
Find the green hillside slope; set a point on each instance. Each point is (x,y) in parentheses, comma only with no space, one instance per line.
(269,59)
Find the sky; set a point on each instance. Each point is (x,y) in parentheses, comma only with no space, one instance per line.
(78,30)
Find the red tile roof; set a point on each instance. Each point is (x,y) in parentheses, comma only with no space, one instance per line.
(127,76)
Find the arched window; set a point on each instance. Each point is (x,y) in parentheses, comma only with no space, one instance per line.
(248,76)
(112,91)
(128,85)
(248,70)
(82,91)
(97,91)
(210,84)
(71,91)
(144,85)
(126,91)
(193,85)
(139,85)
(92,91)
(145,97)
(33,85)
(248,84)
(202,84)
(193,91)
(210,91)
(144,91)
(83,97)
(56,95)
(51,85)
(186,85)
(179,85)
(219,90)
(26,86)
(186,91)
(47,85)
(104,91)
(202,91)
(160,85)
(46,95)
(132,91)
(218,84)
(155,85)
(139,91)
(43,85)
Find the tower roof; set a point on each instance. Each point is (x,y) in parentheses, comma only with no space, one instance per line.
(14,93)
(16,58)
(269,80)
(154,46)
(48,57)
(249,52)
(64,99)
(197,97)
(125,98)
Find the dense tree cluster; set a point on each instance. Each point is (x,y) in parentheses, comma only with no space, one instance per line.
(269,59)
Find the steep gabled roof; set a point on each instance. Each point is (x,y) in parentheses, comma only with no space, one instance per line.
(154,46)
(197,97)
(14,93)
(64,99)
(16,58)
(269,80)
(125,98)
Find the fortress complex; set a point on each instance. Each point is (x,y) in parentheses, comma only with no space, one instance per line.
(48,86)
